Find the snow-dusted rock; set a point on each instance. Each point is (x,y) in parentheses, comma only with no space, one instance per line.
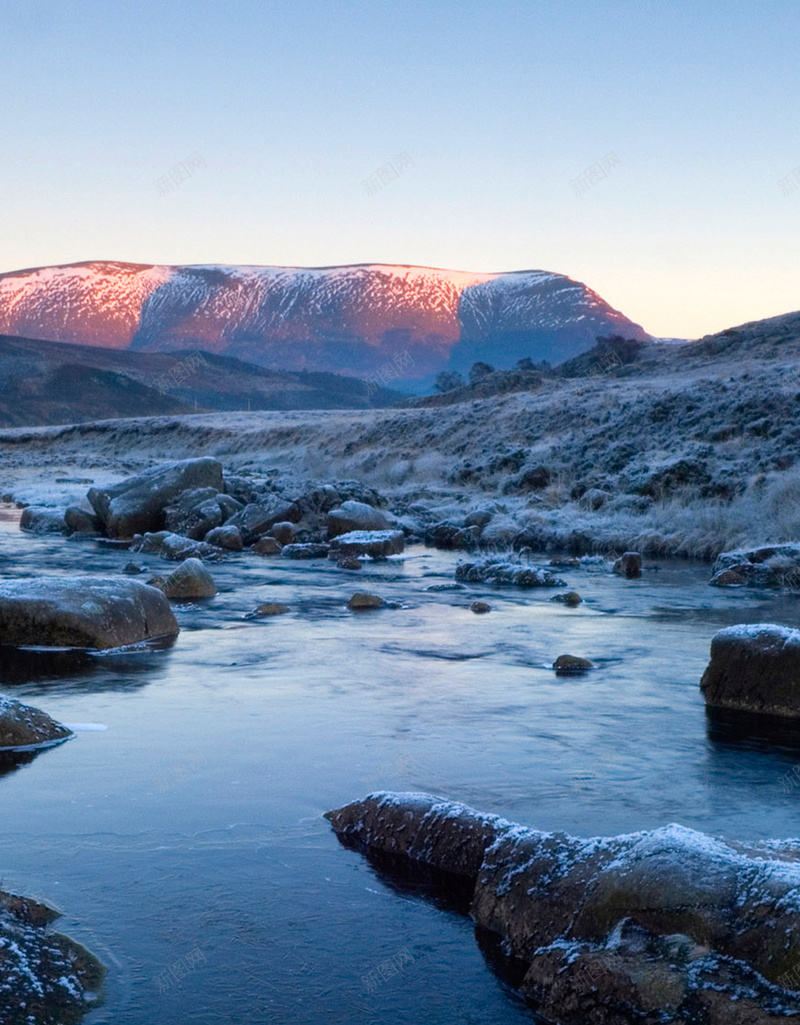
(310,550)
(352,515)
(82,612)
(767,566)
(25,728)
(650,927)
(175,547)
(495,571)
(82,522)
(45,977)
(137,505)
(754,668)
(376,543)
(39,519)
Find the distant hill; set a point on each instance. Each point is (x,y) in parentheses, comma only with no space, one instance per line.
(56,383)
(409,322)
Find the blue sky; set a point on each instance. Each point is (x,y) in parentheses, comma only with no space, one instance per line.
(293,105)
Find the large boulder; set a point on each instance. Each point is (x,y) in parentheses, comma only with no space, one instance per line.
(257,518)
(376,543)
(82,612)
(650,927)
(352,515)
(227,538)
(79,521)
(137,505)
(754,668)
(23,727)
(40,519)
(45,977)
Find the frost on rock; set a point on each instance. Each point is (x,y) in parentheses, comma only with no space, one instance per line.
(648,926)
(44,977)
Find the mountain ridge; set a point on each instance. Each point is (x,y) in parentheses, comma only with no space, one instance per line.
(351,319)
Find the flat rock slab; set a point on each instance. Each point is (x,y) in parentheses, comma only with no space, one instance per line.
(82,612)
(45,977)
(378,544)
(645,927)
(754,668)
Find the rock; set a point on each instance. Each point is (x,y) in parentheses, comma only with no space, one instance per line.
(82,522)
(240,489)
(194,514)
(137,505)
(767,566)
(24,727)
(175,547)
(628,565)
(445,587)
(565,562)
(594,499)
(352,515)
(449,537)
(82,612)
(267,546)
(349,563)
(268,609)
(493,571)
(132,569)
(40,519)
(536,478)
(642,928)
(480,606)
(570,598)
(256,519)
(190,580)
(227,538)
(363,600)
(376,543)
(283,532)
(306,551)
(45,977)
(572,664)
(480,518)
(754,668)
(228,506)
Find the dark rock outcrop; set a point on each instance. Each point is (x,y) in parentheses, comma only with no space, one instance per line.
(256,519)
(82,612)
(754,668)
(663,926)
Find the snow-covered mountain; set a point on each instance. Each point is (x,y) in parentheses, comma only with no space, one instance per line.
(351,319)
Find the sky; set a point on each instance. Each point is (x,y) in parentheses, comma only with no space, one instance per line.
(453,135)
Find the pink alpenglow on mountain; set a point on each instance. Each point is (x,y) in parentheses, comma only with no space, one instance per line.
(350,320)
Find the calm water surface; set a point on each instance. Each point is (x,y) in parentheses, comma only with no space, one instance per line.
(189,833)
